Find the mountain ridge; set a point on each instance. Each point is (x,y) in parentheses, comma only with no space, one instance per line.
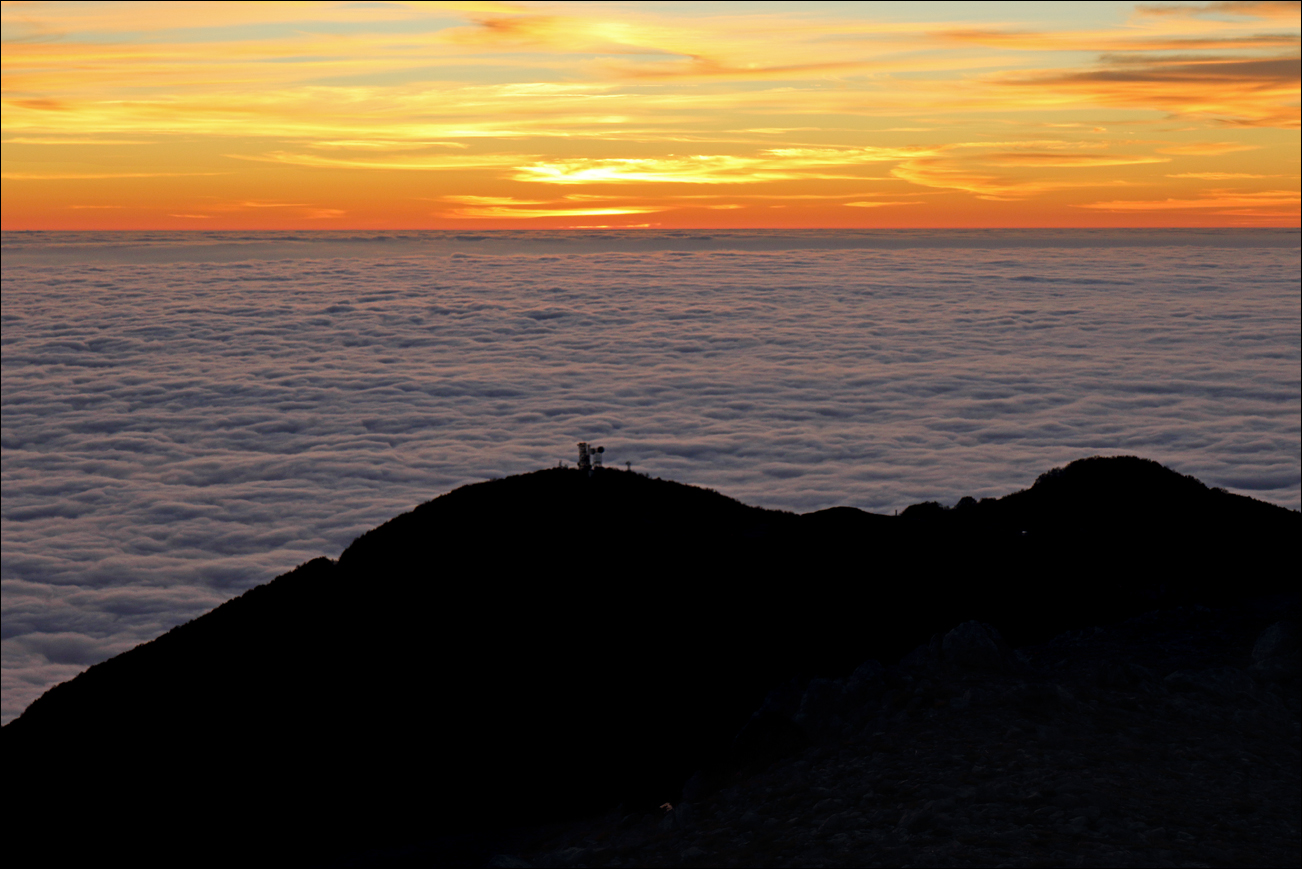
(552,643)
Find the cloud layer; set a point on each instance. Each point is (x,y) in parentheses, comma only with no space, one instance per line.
(176,432)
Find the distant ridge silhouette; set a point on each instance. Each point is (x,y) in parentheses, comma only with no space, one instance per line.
(550,644)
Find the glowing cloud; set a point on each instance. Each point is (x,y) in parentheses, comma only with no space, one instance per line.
(1283,199)
(529,213)
(1207,149)
(126,115)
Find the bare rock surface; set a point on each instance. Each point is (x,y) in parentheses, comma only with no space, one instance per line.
(1161,741)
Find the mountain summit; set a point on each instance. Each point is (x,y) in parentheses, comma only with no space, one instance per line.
(552,644)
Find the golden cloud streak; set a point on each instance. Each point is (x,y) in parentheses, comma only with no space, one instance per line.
(21,140)
(776,164)
(1107,42)
(503,201)
(713,169)
(1287,9)
(957,174)
(382,145)
(1068,160)
(1207,149)
(97,176)
(450,162)
(513,213)
(1271,198)
(1234,90)
(1219,176)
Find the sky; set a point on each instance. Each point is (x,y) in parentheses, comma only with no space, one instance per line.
(479,115)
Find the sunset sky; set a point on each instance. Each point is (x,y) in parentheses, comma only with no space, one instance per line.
(478,115)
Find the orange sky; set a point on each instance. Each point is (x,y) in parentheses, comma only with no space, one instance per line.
(477,115)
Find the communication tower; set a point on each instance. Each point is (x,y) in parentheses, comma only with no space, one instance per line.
(590,457)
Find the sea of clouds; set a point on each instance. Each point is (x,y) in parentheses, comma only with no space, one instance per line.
(186,416)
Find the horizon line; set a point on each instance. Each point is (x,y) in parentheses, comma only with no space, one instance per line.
(649,229)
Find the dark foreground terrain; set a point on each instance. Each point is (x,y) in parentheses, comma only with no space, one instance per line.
(499,664)
(1090,750)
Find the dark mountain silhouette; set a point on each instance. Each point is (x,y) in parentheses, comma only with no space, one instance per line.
(551,644)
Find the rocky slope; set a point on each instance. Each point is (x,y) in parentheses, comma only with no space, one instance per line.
(1171,739)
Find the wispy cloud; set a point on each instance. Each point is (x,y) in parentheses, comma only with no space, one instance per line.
(1052,159)
(704,169)
(775,164)
(264,204)
(498,100)
(1284,199)
(1116,42)
(1219,176)
(381,145)
(502,201)
(1233,91)
(97,176)
(1207,149)
(504,212)
(440,163)
(880,204)
(1280,9)
(37,140)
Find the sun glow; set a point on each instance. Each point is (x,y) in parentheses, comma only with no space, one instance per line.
(448,115)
